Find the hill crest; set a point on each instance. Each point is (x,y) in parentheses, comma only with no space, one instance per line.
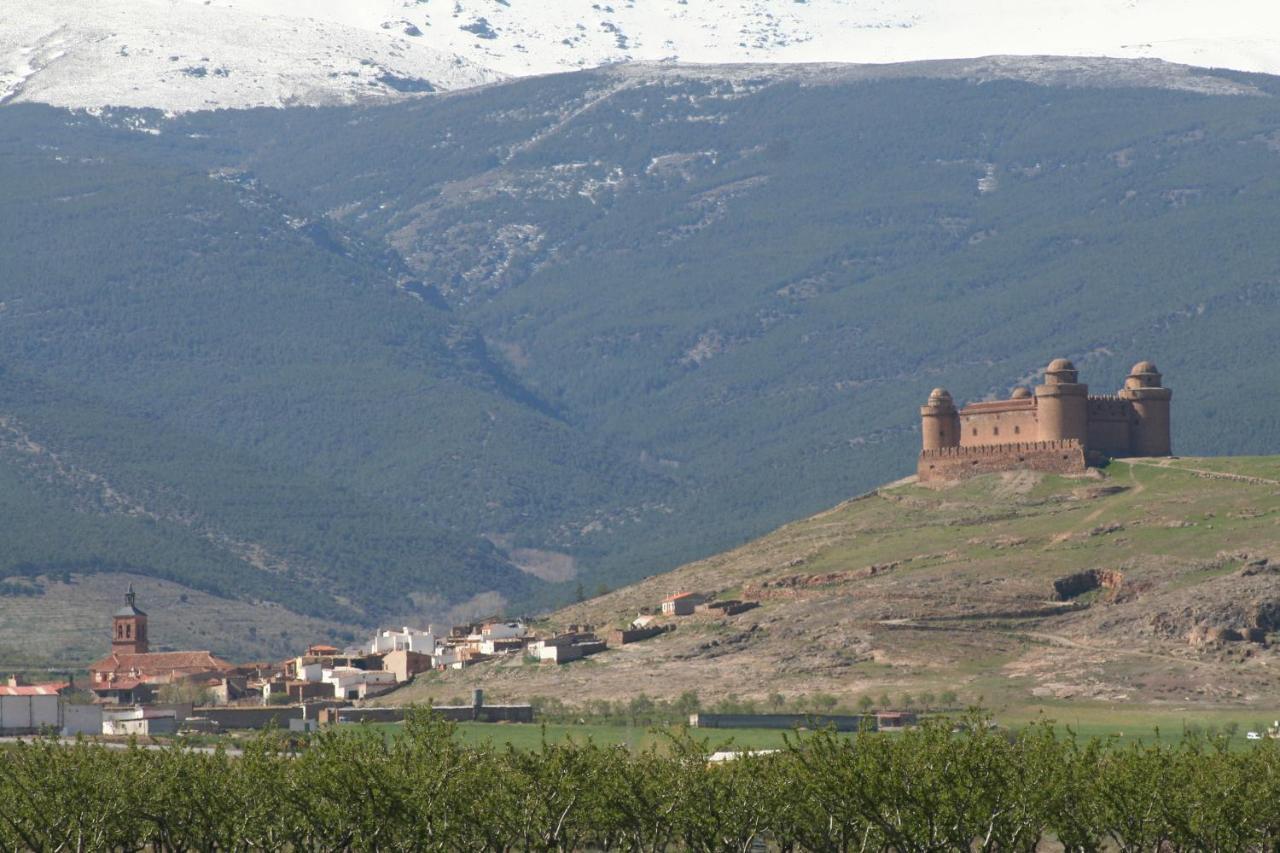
(1144,583)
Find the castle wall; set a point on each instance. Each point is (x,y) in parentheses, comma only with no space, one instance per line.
(1151,433)
(1109,425)
(954,463)
(987,425)
(1057,427)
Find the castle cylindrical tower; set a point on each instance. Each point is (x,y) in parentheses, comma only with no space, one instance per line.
(1062,404)
(1149,431)
(939,421)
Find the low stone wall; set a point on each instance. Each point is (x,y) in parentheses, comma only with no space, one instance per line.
(623,636)
(956,463)
(840,722)
(728,608)
(277,716)
(453,713)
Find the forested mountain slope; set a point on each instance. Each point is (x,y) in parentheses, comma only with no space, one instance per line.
(609,321)
(750,278)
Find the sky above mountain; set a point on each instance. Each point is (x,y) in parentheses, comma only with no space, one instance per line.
(186,55)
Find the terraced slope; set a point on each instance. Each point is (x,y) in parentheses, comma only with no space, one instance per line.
(1125,585)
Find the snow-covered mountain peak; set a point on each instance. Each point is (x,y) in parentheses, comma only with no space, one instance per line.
(193,54)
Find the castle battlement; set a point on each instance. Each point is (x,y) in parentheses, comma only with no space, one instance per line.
(1053,428)
(1000,449)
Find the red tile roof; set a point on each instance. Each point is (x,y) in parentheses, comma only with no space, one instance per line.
(677,596)
(33,689)
(159,663)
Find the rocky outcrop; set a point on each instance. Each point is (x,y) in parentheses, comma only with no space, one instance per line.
(1259,566)
(1205,634)
(1074,586)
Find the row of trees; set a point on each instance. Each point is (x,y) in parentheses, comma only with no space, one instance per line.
(644,710)
(937,788)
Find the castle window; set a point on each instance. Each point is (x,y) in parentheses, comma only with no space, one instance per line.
(995,430)
(1017,430)
(128,631)
(975,430)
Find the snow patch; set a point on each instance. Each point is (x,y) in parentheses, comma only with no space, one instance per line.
(285,52)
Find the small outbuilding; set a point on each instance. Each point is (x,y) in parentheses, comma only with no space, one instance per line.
(681,604)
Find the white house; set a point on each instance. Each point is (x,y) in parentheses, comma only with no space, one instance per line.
(406,640)
(311,672)
(351,683)
(447,657)
(502,638)
(140,721)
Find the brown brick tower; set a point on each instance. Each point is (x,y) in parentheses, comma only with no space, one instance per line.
(940,422)
(1149,434)
(129,627)
(1062,403)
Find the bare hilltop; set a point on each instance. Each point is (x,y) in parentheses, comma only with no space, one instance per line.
(1152,582)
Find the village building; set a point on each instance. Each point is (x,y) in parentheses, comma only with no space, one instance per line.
(467,644)
(681,603)
(292,691)
(404,664)
(142,722)
(132,673)
(1058,427)
(16,687)
(406,639)
(28,712)
(351,683)
(576,643)
(310,666)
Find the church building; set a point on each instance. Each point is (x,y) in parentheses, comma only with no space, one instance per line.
(132,673)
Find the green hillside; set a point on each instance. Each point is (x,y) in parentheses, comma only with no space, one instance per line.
(607,322)
(1016,590)
(748,285)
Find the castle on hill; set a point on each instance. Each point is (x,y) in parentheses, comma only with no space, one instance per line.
(1059,427)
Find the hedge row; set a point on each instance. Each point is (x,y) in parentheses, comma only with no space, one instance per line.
(940,787)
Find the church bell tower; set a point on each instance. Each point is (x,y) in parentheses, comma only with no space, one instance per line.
(129,627)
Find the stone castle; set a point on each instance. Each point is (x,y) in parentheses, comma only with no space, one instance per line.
(1060,427)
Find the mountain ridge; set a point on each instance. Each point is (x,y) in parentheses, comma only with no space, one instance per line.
(190,55)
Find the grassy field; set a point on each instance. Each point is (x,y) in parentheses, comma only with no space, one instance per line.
(533,735)
(1126,725)
(1121,726)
